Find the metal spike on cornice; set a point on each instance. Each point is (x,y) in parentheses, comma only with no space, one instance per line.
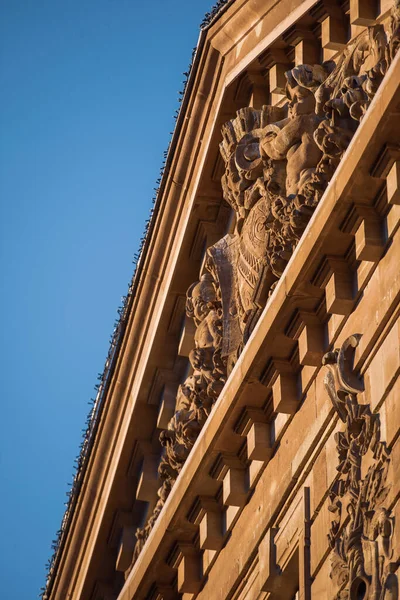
(210,16)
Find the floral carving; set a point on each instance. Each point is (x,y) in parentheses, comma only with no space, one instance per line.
(362,524)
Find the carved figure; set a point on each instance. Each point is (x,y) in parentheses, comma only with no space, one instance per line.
(292,140)
(205,309)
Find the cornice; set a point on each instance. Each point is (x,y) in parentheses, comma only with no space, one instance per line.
(119,408)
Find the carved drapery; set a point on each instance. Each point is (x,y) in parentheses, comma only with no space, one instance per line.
(363,567)
(278,163)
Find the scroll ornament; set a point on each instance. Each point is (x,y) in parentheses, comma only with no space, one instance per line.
(363,566)
(278,163)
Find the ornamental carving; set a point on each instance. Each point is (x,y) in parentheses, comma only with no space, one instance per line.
(278,162)
(363,566)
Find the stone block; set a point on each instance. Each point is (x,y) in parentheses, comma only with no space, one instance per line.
(210,530)
(259,442)
(393,220)
(250,414)
(268,571)
(230,516)
(393,184)
(148,480)
(278,426)
(285,394)
(319,479)
(394,479)
(391,354)
(234,487)
(307,429)
(331,454)
(126,548)
(319,588)
(307,52)
(369,240)
(374,381)
(277,79)
(208,560)
(362,12)
(339,293)
(290,526)
(333,33)
(312,345)
(186,343)
(328,54)
(255,469)
(165,592)
(167,406)
(189,569)
(383,368)
(276,98)
(392,406)
(396,536)
(307,374)
(335,323)
(363,273)
(319,537)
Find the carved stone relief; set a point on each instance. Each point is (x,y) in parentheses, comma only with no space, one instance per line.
(363,566)
(279,160)
(278,163)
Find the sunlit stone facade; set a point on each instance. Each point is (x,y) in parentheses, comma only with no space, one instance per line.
(247,442)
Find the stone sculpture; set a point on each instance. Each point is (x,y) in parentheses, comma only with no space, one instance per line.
(363,566)
(278,162)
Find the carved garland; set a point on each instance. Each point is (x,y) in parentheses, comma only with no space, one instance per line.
(279,161)
(362,525)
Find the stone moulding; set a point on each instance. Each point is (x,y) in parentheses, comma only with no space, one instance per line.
(363,565)
(297,288)
(279,161)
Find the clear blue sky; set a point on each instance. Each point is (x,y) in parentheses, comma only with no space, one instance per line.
(88,92)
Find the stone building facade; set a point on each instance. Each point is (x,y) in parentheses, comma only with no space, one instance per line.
(246,445)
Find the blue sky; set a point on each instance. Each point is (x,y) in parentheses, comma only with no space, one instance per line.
(88,93)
